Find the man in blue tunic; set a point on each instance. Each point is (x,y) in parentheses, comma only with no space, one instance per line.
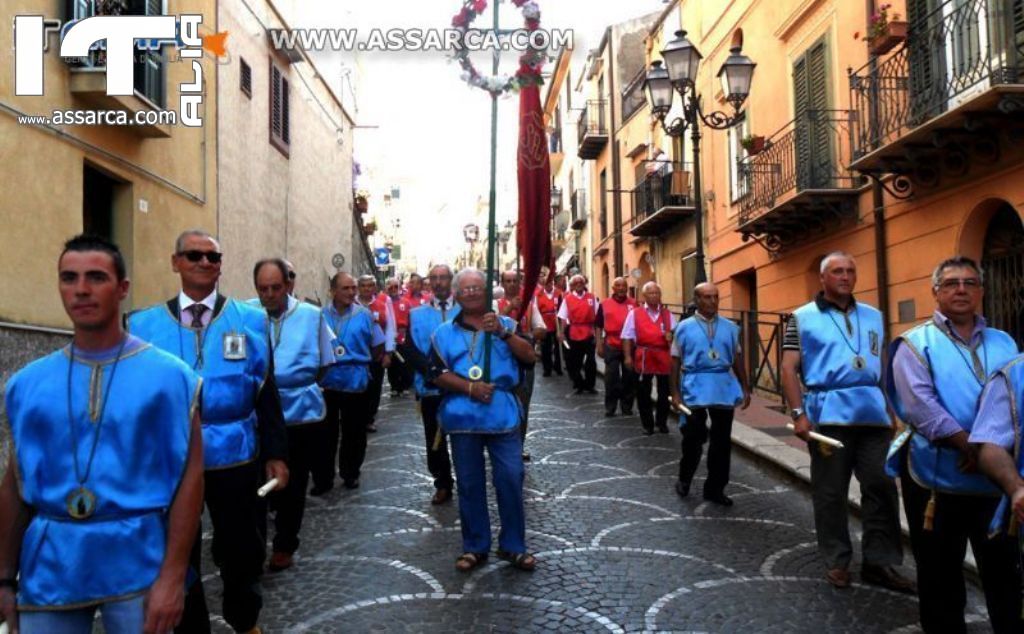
(480,412)
(302,346)
(833,348)
(245,441)
(102,469)
(706,348)
(357,342)
(936,376)
(423,321)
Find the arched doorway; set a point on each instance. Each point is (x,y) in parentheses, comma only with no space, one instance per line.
(1003,261)
(606,282)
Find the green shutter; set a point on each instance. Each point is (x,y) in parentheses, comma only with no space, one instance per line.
(926,60)
(813,142)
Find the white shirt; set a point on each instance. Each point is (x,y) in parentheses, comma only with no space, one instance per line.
(563,310)
(629,326)
(184,301)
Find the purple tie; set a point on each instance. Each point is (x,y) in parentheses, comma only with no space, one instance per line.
(197,311)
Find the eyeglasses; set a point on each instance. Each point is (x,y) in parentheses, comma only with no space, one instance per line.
(969,283)
(471,290)
(213,257)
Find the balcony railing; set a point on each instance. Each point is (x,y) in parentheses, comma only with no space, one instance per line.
(578,207)
(952,54)
(662,199)
(633,96)
(592,129)
(809,153)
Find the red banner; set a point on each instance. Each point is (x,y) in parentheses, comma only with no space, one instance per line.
(533,233)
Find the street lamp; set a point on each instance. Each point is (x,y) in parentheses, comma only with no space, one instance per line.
(556,200)
(679,74)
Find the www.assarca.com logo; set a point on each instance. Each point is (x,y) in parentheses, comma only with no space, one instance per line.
(120,34)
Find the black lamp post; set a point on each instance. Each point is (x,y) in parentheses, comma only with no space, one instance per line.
(679,74)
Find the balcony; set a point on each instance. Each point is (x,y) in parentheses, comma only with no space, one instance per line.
(798,187)
(662,200)
(593,130)
(947,102)
(578,208)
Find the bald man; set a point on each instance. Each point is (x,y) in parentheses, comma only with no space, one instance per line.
(576,319)
(646,346)
(708,376)
(619,388)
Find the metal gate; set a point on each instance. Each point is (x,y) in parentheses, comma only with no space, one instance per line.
(1004,291)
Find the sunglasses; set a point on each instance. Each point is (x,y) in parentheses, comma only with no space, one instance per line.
(213,257)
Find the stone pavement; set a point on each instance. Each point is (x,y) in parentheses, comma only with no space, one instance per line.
(617,549)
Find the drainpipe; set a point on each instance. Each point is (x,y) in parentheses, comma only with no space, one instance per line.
(878,201)
(616,176)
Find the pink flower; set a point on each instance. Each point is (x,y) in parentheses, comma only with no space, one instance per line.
(479,6)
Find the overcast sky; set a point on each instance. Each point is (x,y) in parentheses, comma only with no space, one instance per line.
(434,130)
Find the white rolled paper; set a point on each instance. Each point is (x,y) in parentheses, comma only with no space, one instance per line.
(831,442)
(266,488)
(566,344)
(680,408)
(398,355)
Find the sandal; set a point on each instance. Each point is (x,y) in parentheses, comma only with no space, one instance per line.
(522,561)
(469,561)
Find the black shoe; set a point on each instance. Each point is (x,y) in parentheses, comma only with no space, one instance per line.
(577,391)
(546,374)
(352,484)
(663,429)
(371,429)
(718,498)
(648,431)
(609,413)
(682,488)
(558,372)
(526,456)
(627,412)
(591,390)
(887,577)
(317,491)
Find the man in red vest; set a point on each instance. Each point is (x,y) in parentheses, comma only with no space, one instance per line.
(399,374)
(619,380)
(576,319)
(380,306)
(414,293)
(548,299)
(647,346)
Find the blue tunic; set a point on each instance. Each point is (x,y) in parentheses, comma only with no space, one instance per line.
(1013,376)
(838,393)
(230,384)
(958,388)
(295,337)
(139,462)
(423,321)
(708,382)
(459,414)
(353,345)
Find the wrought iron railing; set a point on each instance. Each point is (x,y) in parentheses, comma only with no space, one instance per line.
(633,96)
(592,120)
(810,152)
(665,184)
(951,53)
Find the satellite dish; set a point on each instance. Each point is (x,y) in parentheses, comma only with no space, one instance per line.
(636,273)
(338,260)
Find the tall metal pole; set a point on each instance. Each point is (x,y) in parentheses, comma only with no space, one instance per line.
(491,229)
(699,276)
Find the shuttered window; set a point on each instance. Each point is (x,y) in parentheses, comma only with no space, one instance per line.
(814,146)
(245,79)
(150,65)
(1018,35)
(280,124)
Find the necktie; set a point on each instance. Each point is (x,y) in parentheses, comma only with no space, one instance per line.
(197,311)
(444,310)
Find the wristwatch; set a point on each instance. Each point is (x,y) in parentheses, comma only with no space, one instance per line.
(796,413)
(506,333)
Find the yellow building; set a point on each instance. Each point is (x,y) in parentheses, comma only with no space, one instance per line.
(139,185)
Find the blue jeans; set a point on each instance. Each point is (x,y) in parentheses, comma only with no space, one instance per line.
(119,617)
(507,472)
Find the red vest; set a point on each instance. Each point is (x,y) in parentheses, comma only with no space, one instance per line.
(525,326)
(548,308)
(615,314)
(379,308)
(582,315)
(401,309)
(416,301)
(652,354)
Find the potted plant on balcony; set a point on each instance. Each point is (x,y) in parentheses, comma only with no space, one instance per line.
(885,31)
(753,144)
(361,204)
(370,227)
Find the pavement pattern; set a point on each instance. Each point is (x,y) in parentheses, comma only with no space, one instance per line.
(617,549)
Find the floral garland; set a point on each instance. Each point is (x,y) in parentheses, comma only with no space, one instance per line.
(530,62)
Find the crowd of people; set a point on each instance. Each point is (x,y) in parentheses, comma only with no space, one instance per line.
(113,445)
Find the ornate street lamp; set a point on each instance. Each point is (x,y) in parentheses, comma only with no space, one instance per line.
(556,200)
(679,74)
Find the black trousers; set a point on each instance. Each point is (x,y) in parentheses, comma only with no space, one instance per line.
(238,516)
(304,441)
(399,375)
(645,405)
(695,433)
(619,381)
(439,461)
(939,554)
(346,412)
(580,362)
(551,354)
(373,391)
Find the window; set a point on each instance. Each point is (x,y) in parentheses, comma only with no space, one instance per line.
(280,125)
(813,140)
(603,221)
(246,78)
(739,174)
(689,270)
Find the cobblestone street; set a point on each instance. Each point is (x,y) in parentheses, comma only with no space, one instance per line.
(617,549)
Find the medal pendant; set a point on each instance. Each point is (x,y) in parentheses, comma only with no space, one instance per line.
(234,347)
(475,373)
(339,351)
(713,354)
(859,363)
(81,503)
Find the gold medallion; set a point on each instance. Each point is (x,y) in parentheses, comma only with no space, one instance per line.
(81,503)
(713,354)
(475,373)
(339,351)
(859,363)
